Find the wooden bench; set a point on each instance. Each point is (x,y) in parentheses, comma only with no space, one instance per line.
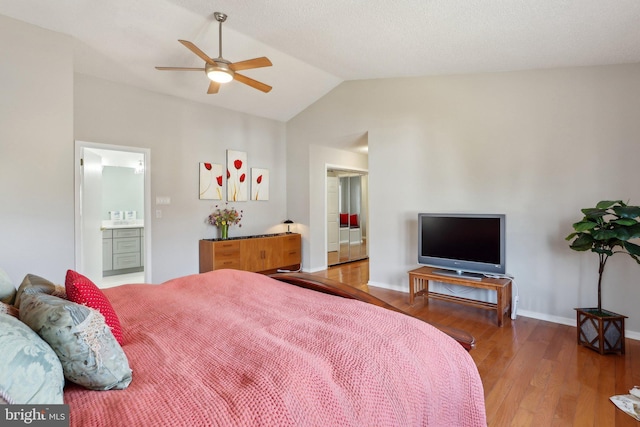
(419,285)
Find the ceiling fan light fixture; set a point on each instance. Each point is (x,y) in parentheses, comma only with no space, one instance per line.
(220,76)
(219,73)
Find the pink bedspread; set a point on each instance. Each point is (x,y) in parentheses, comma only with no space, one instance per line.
(230,348)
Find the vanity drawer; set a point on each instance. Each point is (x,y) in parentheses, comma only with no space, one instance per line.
(126,232)
(122,261)
(126,245)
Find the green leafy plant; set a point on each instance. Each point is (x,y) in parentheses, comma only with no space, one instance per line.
(607,230)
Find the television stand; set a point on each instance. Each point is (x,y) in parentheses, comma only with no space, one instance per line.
(459,274)
(419,285)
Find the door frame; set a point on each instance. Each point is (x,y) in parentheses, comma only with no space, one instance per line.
(146,153)
(329,167)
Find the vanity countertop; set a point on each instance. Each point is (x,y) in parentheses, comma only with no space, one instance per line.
(109,224)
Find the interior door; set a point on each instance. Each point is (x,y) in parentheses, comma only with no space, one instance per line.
(333,225)
(90,216)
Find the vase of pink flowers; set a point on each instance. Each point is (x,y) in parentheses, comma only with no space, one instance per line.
(223,218)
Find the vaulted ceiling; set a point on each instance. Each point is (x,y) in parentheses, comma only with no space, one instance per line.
(315,45)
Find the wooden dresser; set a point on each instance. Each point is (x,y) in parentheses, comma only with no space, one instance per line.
(266,253)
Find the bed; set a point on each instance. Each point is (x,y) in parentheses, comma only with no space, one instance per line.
(229,348)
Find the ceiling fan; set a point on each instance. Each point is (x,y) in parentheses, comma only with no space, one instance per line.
(219,70)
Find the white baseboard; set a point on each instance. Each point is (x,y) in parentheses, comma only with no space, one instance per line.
(399,288)
(634,335)
(313,270)
(547,317)
(567,321)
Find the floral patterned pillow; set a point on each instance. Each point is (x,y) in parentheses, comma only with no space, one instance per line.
(85,345)
(31,371)
(32,284)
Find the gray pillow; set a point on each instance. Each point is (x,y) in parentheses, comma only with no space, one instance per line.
(7,290)
(85,345)
(31,371)
(32,284)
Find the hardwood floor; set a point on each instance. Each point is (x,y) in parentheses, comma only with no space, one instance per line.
(534,373)
(347,253)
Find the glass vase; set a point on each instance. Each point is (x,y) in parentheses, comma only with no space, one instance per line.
(224,231)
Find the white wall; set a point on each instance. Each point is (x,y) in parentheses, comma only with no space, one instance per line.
(537,145)
(44,107)
(36,151)
(180,134)
(306,189)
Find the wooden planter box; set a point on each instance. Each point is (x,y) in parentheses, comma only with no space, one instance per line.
(604,334)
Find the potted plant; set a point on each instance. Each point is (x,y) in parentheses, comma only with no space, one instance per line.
(605,230)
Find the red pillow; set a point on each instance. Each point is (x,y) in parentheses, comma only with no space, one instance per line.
(353,220)
(83,291)
(344,219)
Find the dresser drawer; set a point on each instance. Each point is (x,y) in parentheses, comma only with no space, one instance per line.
(226,255)
(291,256)
(126,245)
(291,250)
(221,248)
(292,242)
(227,263)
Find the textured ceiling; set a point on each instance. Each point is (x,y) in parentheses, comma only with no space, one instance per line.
(314,45)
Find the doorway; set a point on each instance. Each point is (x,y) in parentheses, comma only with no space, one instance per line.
(347,216)
(112,216)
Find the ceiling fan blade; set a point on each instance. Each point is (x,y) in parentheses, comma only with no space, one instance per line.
(179,69)
(193,48)
(213,87)
(253,83)
(251,63)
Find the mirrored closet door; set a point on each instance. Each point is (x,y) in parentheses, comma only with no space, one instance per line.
(346,216)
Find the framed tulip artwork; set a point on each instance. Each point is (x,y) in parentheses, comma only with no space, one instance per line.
(237,179)
(210,181)
(259,184)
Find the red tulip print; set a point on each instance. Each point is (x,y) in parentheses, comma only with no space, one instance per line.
(236,176)
(219,187)
(209,171)
(260,184)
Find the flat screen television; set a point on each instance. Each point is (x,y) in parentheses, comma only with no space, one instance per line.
(466,245)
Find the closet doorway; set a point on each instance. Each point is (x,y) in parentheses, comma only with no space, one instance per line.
(347,216)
